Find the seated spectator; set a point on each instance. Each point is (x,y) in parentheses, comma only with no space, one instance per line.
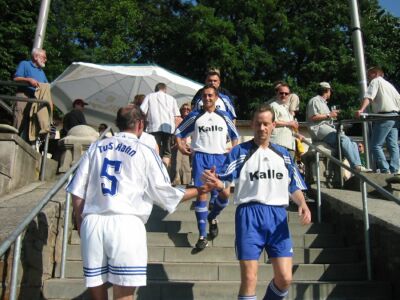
(75,116)
(322,129)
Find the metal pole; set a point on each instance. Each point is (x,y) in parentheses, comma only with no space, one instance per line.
(366,229)
(44,157)
(14,274)
(318,188)
(41,24)
(359,56)
(65,233)
(339,130)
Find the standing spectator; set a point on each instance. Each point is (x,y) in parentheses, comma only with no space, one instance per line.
(225,99)
(138,99)
(322,129)
(285,124)
(75,116)
(209,129)
(162,115)
(113,192)
(264,176)
(292,102)
(384,99)
(181,162)
(30,72)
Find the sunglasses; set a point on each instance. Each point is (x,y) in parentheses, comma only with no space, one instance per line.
(283,93)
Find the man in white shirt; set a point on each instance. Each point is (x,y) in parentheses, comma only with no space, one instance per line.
(113,192)
(162,116)
(384,99)
(264,176)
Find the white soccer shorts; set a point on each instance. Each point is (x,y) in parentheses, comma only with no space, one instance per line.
(114,249)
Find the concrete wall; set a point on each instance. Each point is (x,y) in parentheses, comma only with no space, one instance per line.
(19,163)
(384,238)
(40,253)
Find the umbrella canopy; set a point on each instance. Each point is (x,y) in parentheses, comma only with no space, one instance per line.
(108,87)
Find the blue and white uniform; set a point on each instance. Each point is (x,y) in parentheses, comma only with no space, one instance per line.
(263,179)
(209,132)
(120,179)
(223,103)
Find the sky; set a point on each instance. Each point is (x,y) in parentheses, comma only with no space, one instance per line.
(392,6)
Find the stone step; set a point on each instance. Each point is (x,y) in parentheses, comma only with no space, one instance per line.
(227,254)
(229,227)
(165,239)
(231,271)
(162,290)
(189,215)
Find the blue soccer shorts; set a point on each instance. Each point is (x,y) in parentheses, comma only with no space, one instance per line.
(259,226)
(205,161)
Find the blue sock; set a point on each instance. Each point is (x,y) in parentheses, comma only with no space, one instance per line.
(273,293)
(213,196)
(201,211)
(247,297)
(219,205)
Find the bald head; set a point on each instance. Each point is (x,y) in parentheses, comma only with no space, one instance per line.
(130,118)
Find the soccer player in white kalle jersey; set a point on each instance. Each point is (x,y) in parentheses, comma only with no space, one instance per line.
(209,129)
(264,177)
(113,192)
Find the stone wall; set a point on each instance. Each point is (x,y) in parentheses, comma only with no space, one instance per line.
(40,253)
(384,238)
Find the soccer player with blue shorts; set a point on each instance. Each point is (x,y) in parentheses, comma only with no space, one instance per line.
(264,176)
(209,129)
(113,192)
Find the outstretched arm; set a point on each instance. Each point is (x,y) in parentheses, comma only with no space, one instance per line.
(304,211)
(78,204)
(212,181)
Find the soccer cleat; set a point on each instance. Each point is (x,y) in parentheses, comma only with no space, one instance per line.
(213,228)
(202,243)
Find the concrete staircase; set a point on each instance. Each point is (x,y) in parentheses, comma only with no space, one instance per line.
(324,266)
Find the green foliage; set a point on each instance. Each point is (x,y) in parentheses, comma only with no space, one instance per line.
(253,42)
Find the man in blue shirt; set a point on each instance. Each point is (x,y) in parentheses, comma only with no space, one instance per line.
(30,72)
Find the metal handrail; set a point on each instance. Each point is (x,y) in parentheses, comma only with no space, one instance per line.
(15,236)
(363,181)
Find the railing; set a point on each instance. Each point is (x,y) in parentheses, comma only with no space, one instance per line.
(363,183)
(15,236)
(29,100)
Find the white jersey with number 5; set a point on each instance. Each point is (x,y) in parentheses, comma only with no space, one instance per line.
(121,175)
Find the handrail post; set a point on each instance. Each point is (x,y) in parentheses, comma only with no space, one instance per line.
(65,233)
(367,151)
(339,130)
(366,229)
(14,271)
(318,187)
(44,157)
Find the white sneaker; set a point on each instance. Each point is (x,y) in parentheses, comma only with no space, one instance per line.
(362,169)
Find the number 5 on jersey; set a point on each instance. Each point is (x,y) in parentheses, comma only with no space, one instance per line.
(106,172)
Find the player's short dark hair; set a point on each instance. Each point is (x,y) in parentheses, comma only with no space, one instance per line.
(264,108)
(210,86)
(160,86)
(128,116)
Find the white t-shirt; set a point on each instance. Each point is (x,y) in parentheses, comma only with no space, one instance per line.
(149,140)
(121,175)
(161,110)
(384,96)
(282,135)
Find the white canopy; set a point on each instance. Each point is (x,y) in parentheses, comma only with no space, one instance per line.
(108,87)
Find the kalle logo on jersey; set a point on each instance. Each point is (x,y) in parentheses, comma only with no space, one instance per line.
(270,174)
(210,128)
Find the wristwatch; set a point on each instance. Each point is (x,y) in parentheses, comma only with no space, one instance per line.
(328,116)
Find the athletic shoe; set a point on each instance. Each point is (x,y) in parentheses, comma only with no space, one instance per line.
(202,243)
(362,169)
(213,228)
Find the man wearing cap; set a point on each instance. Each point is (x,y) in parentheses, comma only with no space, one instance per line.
(75,116)
(384,99)
(322,129)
